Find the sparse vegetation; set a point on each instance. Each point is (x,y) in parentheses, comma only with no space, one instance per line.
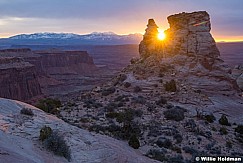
(45,132)
(223,131)
(26,111)
(164,142)
(224,121)
(49,105)
(134,142)
(210,118)
(170,86)
(239,129)
(108,91)
(89,103)
(127,84)
(137,89)
(176,114)
(57,145)
(122,77)
(162,101)
(157,154)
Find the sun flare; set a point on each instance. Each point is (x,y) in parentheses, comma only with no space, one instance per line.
(161,35)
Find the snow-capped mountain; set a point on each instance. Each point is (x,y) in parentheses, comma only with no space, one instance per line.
(94,35)
(45,35)
(97,38)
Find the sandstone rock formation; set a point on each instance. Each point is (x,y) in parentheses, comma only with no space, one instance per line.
(237,73)
(171,99)
(19,136)
(18,79)
(54,70)
(149,43)
(189,34)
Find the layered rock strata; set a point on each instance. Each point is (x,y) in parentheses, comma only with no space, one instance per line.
(18,79)
(53,69)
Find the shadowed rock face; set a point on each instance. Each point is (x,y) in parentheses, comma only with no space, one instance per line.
(24,73)
(18,79)
(148,44)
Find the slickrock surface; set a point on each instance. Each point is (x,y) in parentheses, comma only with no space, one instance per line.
(19,136)
(171,99)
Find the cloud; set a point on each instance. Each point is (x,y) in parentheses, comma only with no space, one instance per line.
(121,16)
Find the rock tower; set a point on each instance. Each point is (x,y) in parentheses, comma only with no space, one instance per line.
(189,34)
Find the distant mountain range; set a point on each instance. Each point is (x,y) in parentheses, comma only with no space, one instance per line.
(95,38)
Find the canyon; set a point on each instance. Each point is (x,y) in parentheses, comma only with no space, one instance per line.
(27,74)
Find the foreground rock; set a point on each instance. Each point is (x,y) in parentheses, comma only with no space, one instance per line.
(20,139)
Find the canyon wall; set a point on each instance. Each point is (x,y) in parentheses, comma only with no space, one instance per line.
(18,79)
(26,74)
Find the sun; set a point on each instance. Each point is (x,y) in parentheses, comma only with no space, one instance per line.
(161,35)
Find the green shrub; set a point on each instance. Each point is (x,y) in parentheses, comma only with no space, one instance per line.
(239,129)
(137,89)
(229,144)
(108,91)
(224,121)
(223,131)
(170,86)
(157,154)
(210,118)
(26,111)
(57,145)
(45,132)
(162,101)
(176,114)
(112,115)
(134,142)
(49,105)
(127,84)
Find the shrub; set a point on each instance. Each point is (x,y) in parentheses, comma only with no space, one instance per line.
(157,154)
(112,115)
(127,84)
(229,144)
(178,138)
(49,105)
(170,86)
(45,132)
(134,142)
(134,60)
(89,103)
(164,142)
(210,118)
(111,107)
(26,111)
(223,131)
(239,129)
(224,121)
(57,145)
(108,91)
(162,101)
(137,89)
(122,77)
(176,114)
(139,100)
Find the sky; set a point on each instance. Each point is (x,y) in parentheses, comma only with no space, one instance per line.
(119,16)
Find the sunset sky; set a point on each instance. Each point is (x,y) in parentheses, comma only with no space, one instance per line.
(119,16)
